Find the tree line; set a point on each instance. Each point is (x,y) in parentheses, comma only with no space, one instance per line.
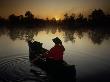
(96,18)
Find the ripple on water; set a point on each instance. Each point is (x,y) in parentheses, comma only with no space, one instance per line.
(17,69)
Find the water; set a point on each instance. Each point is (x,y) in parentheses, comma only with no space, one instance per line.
(86,48)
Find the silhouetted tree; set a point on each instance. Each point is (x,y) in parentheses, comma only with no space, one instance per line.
(81,21)
(2,21)
(97,18)
(53,21)
(66,16)
(72,19)
(21,18)
(69,20)
(12,19)
(107,20)
(29,18)
(29,15)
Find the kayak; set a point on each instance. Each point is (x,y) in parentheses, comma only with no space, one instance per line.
(57,72)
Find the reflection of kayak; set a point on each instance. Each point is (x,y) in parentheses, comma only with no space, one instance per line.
(57,72)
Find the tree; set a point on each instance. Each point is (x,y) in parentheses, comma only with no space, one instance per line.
(29,18)
(13,19)
(2,21)
(81,20)
(66,16)
(97,17)
(29,15)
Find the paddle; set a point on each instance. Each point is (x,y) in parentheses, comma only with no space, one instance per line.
(40,55)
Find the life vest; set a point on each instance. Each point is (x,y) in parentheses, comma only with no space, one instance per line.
(56,52)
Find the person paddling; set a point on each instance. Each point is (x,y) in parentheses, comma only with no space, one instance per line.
(56,52)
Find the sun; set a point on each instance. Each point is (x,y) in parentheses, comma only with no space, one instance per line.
(57,18)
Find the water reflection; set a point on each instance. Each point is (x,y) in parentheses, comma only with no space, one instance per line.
(97,36)
(85,47)
(17,69)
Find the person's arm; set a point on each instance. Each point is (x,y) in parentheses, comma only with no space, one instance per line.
(45,53)
(62,47)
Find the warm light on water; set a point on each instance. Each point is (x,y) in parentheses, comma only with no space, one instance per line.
(46,38)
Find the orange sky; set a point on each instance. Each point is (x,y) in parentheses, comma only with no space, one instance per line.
(51,8)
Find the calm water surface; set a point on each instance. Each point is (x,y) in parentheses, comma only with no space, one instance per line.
(88,49)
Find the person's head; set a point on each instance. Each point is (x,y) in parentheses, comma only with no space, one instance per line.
(57,40)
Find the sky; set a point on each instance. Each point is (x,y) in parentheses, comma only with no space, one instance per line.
(51,8)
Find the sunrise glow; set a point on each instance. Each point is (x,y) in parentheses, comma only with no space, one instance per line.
(57,18)
(51,8)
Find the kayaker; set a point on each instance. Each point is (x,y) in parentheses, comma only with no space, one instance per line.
(35,50)
(56,53)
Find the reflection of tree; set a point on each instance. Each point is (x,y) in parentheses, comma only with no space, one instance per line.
(3,31)
(79,33)
(97,36)
(13,34)
(69,35)
(22,34)
(53,30)
(47,30)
